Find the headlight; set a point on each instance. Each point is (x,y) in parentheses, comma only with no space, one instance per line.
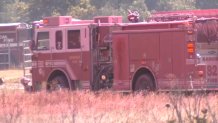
(198,55)
(29,83)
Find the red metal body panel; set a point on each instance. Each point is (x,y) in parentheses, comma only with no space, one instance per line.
(121,62)
(70,63)
(161,52)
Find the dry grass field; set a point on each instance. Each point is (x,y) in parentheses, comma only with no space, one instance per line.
(104,106)
(11,79)
(12,75)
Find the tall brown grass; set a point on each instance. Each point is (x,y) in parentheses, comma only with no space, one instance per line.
(11,75)
(106,107)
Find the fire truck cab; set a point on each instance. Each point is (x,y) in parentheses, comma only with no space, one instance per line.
(71,53)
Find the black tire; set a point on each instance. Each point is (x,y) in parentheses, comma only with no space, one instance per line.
(144,83)
(58,83)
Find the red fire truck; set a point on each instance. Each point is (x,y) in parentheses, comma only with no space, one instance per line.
(105,53)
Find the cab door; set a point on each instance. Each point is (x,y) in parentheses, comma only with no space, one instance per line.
(42,54)
(77,47)
(73,52)
(85,57)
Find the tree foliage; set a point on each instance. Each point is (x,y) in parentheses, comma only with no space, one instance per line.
(31,10)
(175,4)
(17,11)
(82,10)
(205,4)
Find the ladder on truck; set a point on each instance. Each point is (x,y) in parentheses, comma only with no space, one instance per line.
(27,62)
(5,55)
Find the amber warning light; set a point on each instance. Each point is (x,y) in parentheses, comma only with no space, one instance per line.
(190,47)
(45,21)
(190,32)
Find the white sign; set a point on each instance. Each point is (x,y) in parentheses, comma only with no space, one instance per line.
(5,39)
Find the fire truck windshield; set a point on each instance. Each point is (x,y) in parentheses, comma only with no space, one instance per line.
(42,41)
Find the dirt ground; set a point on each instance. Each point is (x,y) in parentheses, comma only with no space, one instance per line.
(11,79)
(13,75)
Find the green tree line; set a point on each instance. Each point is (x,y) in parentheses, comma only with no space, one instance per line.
(31,10)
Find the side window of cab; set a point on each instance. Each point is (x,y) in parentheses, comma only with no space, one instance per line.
(59,40)
(73,39)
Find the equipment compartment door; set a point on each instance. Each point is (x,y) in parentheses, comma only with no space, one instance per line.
(121,62)
(180,68)
(165,73)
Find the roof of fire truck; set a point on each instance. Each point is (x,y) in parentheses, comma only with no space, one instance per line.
(158,18)
(69,21)
(62,21)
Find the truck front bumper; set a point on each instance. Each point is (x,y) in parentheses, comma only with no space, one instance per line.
(27,83)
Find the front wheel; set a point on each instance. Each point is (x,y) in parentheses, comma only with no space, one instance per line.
(144,83)
(58,83)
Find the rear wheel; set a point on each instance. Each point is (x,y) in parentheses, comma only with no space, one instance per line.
(144,83)
(58,83)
